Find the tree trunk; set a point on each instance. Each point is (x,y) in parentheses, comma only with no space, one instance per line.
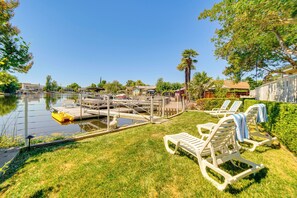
(285,49)
(186,81)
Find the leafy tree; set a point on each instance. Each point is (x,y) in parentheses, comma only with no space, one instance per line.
(54,86)
(74,87)
(130,83)
(187,64)
(9,84)
(113,87)
(162,86)
(101,83)
(48,83)
(14,56)
(199,84)
(139,83)
(176,86)
(253,84)
(219,90)
(254,34)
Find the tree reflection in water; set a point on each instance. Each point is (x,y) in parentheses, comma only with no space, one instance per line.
(8,104)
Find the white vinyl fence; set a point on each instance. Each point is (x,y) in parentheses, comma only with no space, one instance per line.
(281,90)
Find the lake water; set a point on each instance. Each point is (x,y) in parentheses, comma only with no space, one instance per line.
(40,121)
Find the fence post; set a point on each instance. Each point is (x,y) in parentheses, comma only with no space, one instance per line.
(177,106)
(163,106)
(183,103)
(26,121)
(152,109)
(108,113)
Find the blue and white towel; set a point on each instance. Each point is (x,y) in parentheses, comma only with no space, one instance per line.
(262,113)
(242,131)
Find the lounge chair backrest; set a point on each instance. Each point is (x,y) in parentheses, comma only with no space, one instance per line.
(225,105)
(251,113)
(221,137)
(235,106)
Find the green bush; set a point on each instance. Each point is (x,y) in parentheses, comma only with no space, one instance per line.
(210,103)
(282,121)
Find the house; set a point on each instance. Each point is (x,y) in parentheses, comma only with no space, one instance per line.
(281,89)
(234,89)
(30,88)
(143,90)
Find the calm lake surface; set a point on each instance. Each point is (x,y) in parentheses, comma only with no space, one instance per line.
(40,121)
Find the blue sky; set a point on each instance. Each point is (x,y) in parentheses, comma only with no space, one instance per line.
(81,41)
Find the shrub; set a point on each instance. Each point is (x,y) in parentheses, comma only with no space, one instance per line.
(210,103)
(282,121)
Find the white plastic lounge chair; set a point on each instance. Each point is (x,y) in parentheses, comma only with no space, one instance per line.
(233,109)
(251,120)
(252,114)
(219,148)
(222,108)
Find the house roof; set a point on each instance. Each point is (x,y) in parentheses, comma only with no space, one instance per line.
(146,87)
(231,85)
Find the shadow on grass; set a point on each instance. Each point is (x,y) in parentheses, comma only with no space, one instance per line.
(232,170)
(22,159)
(256,179)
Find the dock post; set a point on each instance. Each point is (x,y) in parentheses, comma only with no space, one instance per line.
(26,122)
(80,113)
(163,106)
(177,105)
(152,109)
(108,113)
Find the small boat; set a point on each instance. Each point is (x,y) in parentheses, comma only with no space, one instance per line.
(62,117)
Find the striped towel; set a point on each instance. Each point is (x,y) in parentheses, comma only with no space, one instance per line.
(262,113)
(242,131)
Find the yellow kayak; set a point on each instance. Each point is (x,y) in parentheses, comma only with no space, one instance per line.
(62,117)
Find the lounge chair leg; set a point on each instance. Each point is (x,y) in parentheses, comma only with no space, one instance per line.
(166,142)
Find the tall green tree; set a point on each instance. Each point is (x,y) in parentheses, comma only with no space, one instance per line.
(255,35)
(187,64)
(200,83)
(14,56)
(101,83)
(48,83)
(113,87)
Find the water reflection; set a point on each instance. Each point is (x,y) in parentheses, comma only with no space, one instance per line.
(8,104)
(51,99)
(39,119)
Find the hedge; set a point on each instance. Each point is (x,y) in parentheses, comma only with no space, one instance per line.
(282,121)
(210,103)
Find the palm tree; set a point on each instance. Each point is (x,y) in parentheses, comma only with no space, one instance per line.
(187,64)
(200,83)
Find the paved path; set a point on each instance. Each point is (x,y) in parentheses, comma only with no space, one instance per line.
(7,155)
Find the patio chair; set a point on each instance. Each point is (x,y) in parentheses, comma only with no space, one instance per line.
(233,109)
(252,114)
(218,148)
(222,108)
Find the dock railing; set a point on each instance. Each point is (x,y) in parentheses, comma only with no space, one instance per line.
(34,118)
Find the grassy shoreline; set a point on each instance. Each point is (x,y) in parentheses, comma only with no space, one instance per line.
(134,163)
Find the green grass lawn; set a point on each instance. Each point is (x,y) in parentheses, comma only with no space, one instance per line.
(134,163)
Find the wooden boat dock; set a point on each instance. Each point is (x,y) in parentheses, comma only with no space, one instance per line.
(85,113)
